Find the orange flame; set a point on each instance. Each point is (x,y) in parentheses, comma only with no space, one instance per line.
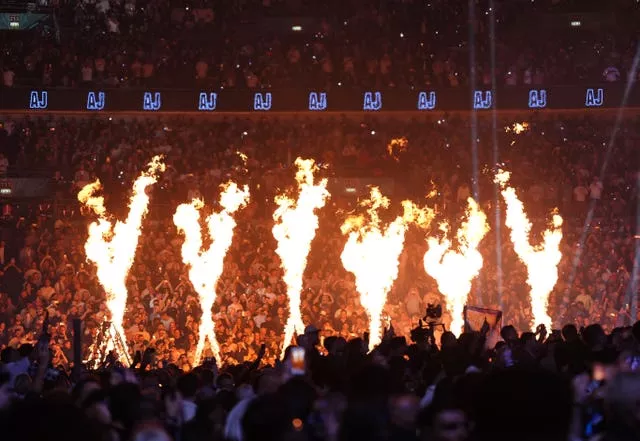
(205,267)
(517,128)
(112,248)
(541,261)
(455,269)
(397,146)
(372,252)
(294,229)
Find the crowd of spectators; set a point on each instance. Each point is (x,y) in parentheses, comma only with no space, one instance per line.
(402,43)
(556,163)
(570,385)
(580,383)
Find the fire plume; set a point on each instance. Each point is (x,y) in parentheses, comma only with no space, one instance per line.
(397,146)
(294,229)
(205,266)
(517,128)
(372,252)
(542,260)
(454,270)
(112,247)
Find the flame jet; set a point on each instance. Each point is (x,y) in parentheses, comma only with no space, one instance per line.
(372,252)
(205,266)
(112,248)
(454,270)
(295,227)
(542,260)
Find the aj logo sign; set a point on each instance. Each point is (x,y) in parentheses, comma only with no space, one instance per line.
(594,98)
(38,99)
(262,101)
(317,101)
(372,101)
(537,99)
(95,101)
(207,101)
(152,101)
(427,101)
(482,99)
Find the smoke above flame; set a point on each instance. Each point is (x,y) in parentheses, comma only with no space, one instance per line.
(112,247)
(455,269)
(294,229)
(205,266)
(372,252)
(541,260)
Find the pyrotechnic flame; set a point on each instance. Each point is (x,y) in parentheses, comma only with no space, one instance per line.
(95,203)
(419,216)
(112,248)
(294,229)
(372,252)
(517,128)
(243,157)
(205,266)
(454,270)
(397,146)
(542,260)
(433,192)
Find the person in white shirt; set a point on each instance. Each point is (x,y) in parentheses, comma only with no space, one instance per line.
(113,25)
(46,291)
(188,387)
(580,193)
(595,189)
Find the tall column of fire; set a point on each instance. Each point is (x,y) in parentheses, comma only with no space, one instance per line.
(112,248)
(454,270)
(542,260)
(372,254)
(205,266)
(294,229)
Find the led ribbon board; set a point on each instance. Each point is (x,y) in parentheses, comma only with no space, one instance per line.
(334,100)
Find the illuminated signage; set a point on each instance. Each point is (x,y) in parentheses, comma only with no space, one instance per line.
(482,100)
(317,101)
(152,101)
(429,99)
(372,101)
(38,99)
(207,101)
(426,101)
(95,101)
(594,98)
(262,101)
(537,99)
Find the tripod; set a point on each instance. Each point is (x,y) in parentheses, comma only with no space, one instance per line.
(108,339)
